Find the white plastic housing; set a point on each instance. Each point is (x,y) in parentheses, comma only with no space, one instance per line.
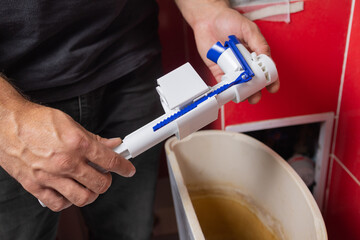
(183,86)
(179,87)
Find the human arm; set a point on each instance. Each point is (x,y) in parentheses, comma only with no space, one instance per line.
(47,152)
(215,20)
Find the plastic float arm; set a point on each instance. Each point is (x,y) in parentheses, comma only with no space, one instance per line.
(190,104)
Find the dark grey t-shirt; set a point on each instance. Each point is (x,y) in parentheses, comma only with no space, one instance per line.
(55,50)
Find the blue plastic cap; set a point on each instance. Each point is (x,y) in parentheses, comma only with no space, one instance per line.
(215,51)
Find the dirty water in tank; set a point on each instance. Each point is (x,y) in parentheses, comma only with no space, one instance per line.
(227,214)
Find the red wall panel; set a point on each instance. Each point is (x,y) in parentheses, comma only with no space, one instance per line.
(308,53)
(343,210)
(348,134)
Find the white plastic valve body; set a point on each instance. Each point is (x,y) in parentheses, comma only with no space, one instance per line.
(183,87)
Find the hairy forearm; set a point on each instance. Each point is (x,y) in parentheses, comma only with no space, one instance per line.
(10,98)
(196,11)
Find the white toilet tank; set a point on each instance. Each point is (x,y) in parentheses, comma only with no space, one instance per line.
(235,162)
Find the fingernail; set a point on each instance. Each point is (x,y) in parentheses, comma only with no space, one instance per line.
(116,138)
(132,173)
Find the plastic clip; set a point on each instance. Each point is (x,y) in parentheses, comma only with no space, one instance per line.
(248,73)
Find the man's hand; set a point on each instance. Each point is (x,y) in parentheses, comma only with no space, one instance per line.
(48,153)
(214,21)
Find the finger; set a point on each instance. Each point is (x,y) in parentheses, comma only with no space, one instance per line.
(274,87)
(53,200)
(254,39)
(109,142)
(109,160)
(255,98)
(92,179)
(47,195)
(72,191)
(216,72)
